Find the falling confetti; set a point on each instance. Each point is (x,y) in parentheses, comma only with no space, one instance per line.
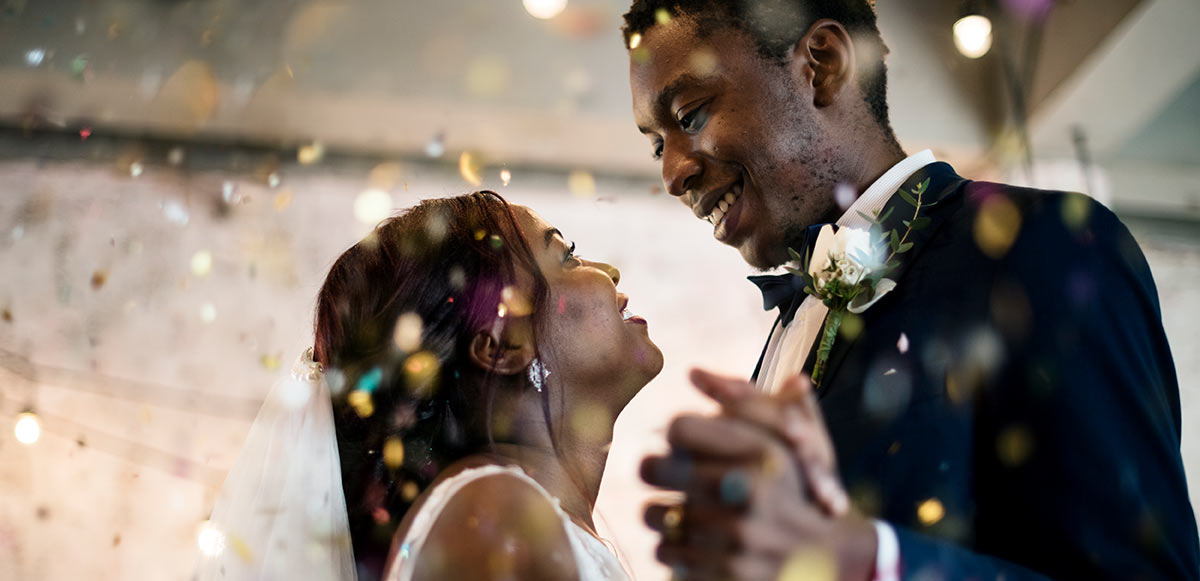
(704,62)
(409,491)
(269,362)
(581,184)
(544,9)
(208,313)
(421,372)
(202,263)
(844,195)
(393,453)
(175,212)
(385,176)
(809,565)
(361,402)
(1013,445)
(79,66)
(282,200)
(370,381)
(273,180)
(135,169)
(407,335)
(175,156)
(311,153)
(85,133)
(34,57)
(931,512)
(505,176)
(436,146)
(487,76)
(210,540)
(902,344)
(516,301)
(469,167)
(99,277)
(372,206)
(28,428)
(996,226)
(662,16)
(635,40)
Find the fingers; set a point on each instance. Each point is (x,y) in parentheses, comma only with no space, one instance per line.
(722,484)
(717,437)
(725,390)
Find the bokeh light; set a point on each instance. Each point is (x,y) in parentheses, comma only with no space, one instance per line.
(973,35)
(372,206)
(931,512)
(544,9)
(202,262)
(581,184)
(28,428)
(210,540)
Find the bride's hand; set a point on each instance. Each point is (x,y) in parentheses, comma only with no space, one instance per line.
(793,416)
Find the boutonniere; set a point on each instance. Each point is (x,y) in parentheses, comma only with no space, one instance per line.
(848,269)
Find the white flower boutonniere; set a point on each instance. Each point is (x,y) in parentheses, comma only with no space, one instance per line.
(847,269)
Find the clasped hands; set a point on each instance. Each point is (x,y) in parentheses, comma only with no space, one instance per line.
(762,497)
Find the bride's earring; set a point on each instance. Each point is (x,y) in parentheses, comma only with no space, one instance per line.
(538,374)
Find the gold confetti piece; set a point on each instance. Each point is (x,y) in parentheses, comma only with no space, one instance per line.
(135,169)
(282,200)
(1076,209)
(191,93)
(516,302)
(640,55)
(505,176)
(1013,445)
(384,176)
(487,76)
(479,234)
(372,206)
(469,167)
(360,400)
(269,362)
(931,512)
(28,428)
(421,372)
(311,153)
(635,40)
(662,16)
(202,263)
(99,277)
(210,540)
(393,453)
(996,226)
(241,548)
(581,184)
(407,334)
(409,491)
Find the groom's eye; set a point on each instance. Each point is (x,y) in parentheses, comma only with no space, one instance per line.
(693,120)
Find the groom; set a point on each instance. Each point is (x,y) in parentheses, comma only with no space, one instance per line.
(1009,410)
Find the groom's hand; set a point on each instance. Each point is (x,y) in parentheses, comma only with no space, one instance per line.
(745,515)
(793,416)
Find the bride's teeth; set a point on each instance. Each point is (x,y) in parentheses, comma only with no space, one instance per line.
(723,205)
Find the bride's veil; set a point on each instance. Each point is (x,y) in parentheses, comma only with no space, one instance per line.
(281,513)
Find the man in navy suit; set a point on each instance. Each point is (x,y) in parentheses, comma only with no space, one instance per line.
(1009,410)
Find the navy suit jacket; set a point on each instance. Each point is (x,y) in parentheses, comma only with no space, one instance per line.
(1031,426)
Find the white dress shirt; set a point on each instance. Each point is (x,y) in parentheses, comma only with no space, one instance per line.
(789,346)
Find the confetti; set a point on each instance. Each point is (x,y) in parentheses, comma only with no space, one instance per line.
(208,313)
(135,169)
(79,66)
(273,180)
(844,195)
(487,76)
(931,512)
(282,200)
(457,279)
(28,428)
(175,156)
(269,362)
(409,491)
(229,193)
(635,40)
(210,540)
(505,176)
(581,184)
(809,564)
(662,16)
(516,301)
(544,9)
(393,453)
(311,153)
(99,277)
(202,263)
(407,334)
(421,372)
(372,206)
(902,344)
(385,176)
(361,402)
(436,146)
(370,381)
(469,167)
(996,226)
(34,57)
(1014,445)
(704,62)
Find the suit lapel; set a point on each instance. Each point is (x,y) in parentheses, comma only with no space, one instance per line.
(943,184)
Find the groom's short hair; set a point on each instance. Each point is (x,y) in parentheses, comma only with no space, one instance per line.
(776,26)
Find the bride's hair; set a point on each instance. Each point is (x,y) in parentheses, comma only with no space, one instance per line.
(446,261)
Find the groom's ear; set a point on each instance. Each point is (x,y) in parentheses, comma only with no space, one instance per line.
(506,351)
(824,59)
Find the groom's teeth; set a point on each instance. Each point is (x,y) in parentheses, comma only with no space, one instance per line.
(730,198)
(723,205)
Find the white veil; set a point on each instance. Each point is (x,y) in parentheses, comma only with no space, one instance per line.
(281,513)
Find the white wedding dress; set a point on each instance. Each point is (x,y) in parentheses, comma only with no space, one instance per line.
(594,561)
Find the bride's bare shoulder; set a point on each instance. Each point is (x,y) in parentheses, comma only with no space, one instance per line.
(497,526)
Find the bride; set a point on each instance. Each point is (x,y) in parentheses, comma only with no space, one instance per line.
(475,365)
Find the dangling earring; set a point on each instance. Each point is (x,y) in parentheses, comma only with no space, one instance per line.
(538,374)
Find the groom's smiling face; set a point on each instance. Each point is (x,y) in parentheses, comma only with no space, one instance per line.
(740,140)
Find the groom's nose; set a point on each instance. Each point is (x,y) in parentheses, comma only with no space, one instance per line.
(680,171)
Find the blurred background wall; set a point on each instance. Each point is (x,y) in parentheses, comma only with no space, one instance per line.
(177,176)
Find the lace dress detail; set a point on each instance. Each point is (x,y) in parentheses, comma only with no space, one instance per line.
(594,560)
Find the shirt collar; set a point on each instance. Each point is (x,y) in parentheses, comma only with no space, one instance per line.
(876,196)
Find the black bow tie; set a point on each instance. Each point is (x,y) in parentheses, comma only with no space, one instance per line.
(786,291)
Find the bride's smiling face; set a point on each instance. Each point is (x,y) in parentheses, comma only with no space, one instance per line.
(596,354)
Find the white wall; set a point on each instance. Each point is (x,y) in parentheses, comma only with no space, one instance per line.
(144,404)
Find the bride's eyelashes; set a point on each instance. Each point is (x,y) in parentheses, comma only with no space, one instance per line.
(570,257)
